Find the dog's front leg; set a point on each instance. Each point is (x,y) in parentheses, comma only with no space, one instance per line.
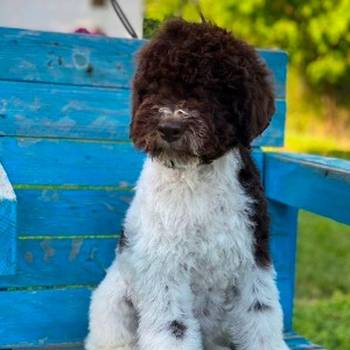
(113,319)
(257,321)
(165,314)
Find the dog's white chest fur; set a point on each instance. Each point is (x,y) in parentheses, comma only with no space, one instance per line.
(195,222)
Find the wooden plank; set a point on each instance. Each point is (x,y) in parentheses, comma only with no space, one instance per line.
(66,58)
(44,317)
(60,262)
(274,134)
(46,110)
(60,111)
(8,221)
(297,342)
(90,163)
(318,184)
(82,259)
(283,232)
(294,341)
(57,162)
(277,62)
(57,212)
(86,60)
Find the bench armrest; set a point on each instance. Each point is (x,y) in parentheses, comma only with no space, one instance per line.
(314,183)
(7,226)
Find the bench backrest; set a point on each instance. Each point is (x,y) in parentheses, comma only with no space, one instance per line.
(64,118)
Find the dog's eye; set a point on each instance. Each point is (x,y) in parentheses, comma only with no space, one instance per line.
(181,113)
(142,93)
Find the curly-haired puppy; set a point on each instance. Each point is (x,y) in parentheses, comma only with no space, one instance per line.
(193,268)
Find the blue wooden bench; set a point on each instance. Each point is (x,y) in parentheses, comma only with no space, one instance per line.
(64,118)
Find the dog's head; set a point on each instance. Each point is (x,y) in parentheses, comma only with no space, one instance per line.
(198,92)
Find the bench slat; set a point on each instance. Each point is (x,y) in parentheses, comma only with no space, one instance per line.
(61,262)
(41,317)
(64,111)
(45,317)
(86,60)
(318,184)
(66,58)
(71,212)
(294,341)
(57,162)
(73,112)
(44,162)
(50,261)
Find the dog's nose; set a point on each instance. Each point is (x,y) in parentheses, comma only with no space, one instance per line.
(170,131)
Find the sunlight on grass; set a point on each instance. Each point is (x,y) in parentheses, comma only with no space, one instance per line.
(325,321)
(323,257)
(322,308)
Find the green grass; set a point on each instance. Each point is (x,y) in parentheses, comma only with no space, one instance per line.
(325,321)
(323,257)
(322,308)
(316,144)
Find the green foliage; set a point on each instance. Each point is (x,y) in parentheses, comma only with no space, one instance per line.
(323,256)
(150,26)
(325,321)
(322,310)
(315,33)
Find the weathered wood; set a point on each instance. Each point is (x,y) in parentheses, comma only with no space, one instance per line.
(66,58)
(318,184)
(86,60)
(46,317)
(76,112)
(57,162)
(82,260)
(51,261)
(63,111)
(274,134)
(283,229)
(41,317)
(59,212)
(43,162)
(7,225)
(294,341)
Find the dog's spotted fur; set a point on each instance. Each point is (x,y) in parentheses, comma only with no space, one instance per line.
(196,269)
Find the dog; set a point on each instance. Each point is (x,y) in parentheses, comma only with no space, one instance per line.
(193,269)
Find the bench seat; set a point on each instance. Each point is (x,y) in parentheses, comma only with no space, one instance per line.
(294,341)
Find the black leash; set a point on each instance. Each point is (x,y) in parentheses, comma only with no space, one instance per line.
(120,13)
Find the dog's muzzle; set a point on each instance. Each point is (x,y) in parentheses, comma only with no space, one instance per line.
(171,130)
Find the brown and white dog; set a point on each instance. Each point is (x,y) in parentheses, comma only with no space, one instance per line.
(193,269)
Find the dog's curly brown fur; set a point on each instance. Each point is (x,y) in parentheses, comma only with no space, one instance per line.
(203,62)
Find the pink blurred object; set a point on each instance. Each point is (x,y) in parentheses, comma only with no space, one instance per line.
(86,31)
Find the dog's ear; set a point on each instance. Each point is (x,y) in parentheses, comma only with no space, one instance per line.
(257,103)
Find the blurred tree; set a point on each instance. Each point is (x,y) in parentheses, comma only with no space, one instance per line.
(315,33)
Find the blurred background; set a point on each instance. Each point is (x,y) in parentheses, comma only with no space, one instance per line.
(316,35)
